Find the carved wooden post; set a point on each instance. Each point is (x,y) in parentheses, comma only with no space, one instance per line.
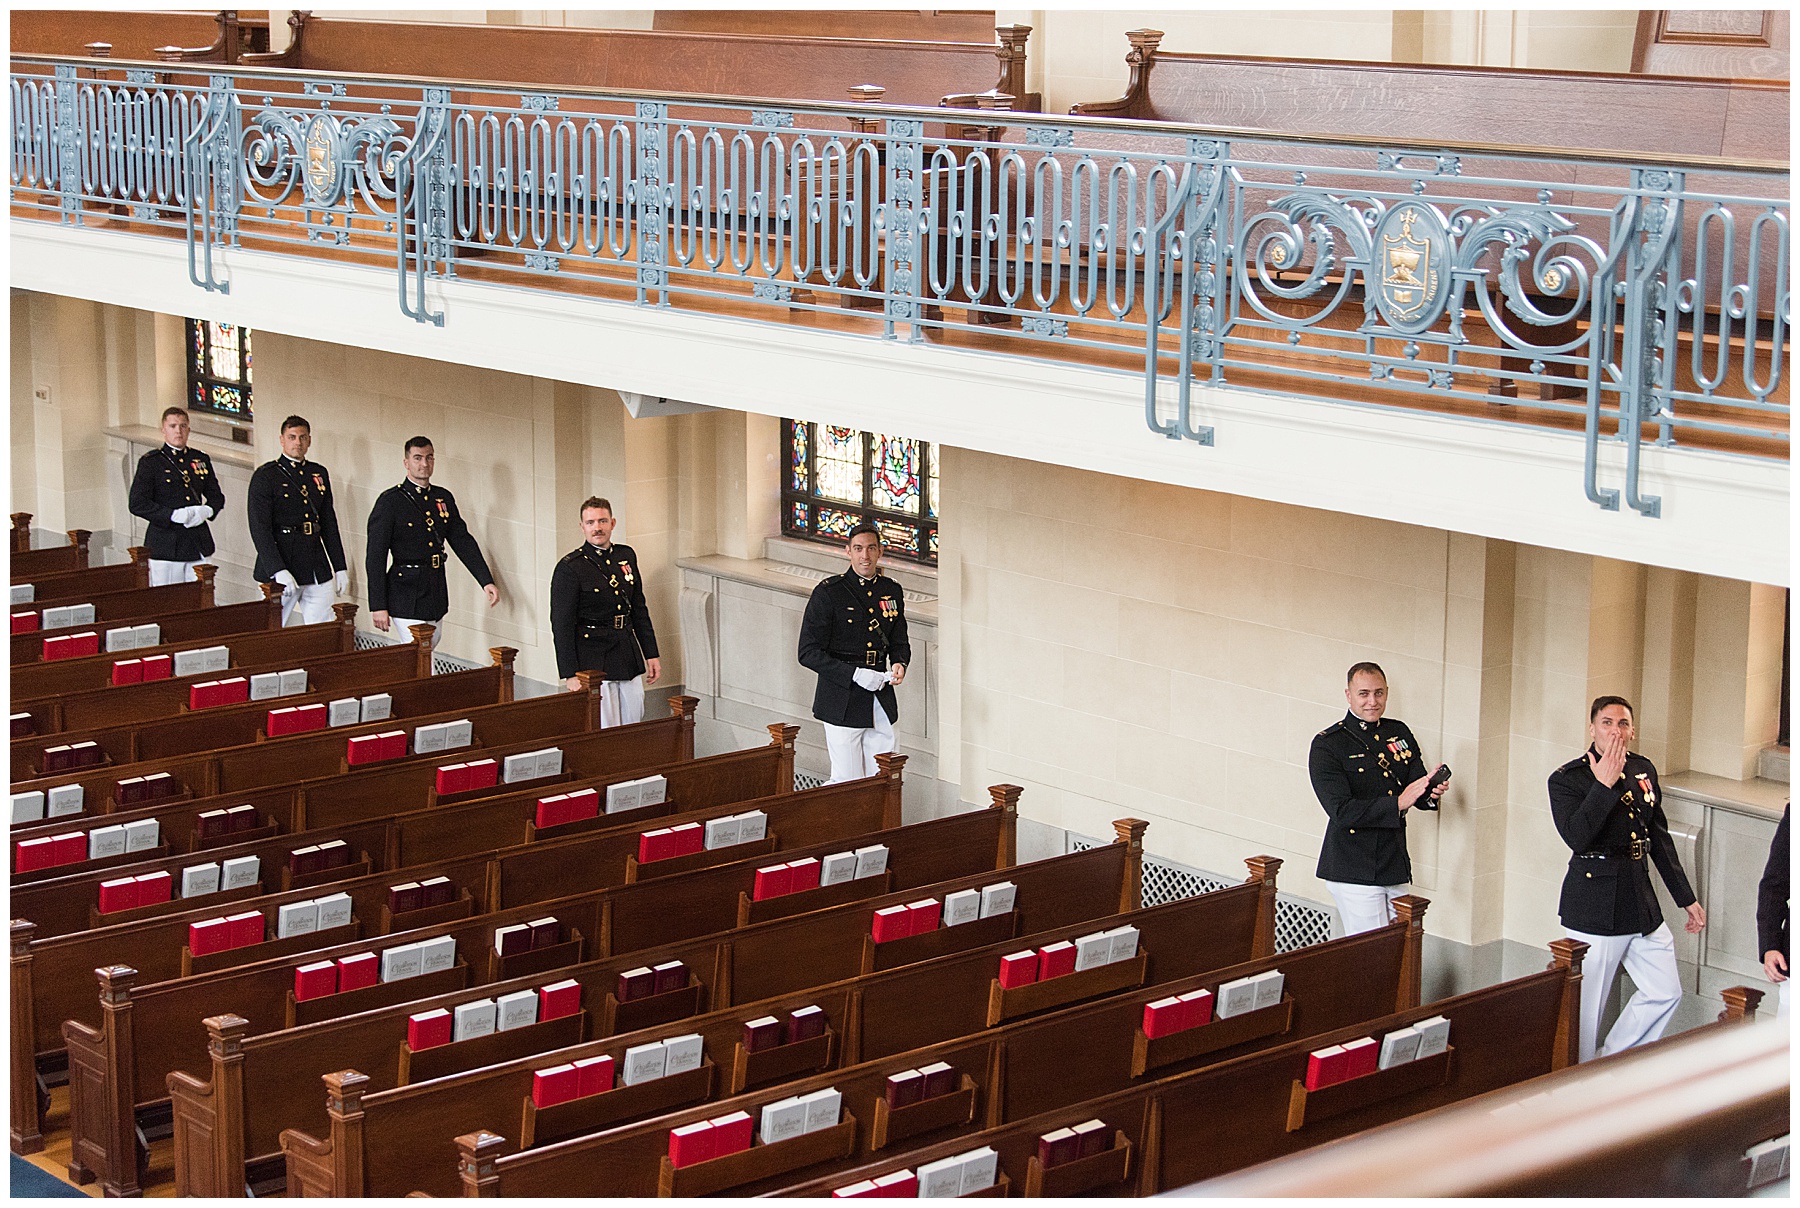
(229,34)
(1011,53)
(345,615)
(98,50)
(1410,910)
(79,539)
(21,532)
(343,1103)
(1130,832)
(271,603)
(892,768)
(594,684)
(27,1130)
(684,708)
(475,1154)
(504,657)
(1149,1166)
(1568,955)
(119,1052)
(784,737)
(1141,58)
(1005,798)
(1264,869)
(225,1045)
(206,573)
(1740,1003)
(864,94)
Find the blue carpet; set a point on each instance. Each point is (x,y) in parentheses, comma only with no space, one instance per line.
(28,1182)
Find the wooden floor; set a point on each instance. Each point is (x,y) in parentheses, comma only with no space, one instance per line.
(54,1159)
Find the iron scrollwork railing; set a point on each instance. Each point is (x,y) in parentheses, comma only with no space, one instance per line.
(1638,304)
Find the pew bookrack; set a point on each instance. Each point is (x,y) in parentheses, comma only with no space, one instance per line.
(212,962)
(381,994)
(780,1063)
(758,1162)
(325,876)
(442,1060)
(940,941)
(461,907)
(601,821)
(544,1125)
(892,1125)
(521,964)
(1005,1004)
(84,866)
(667,1007)
(787,905)
(1148,1054)
(223,897)
(266,831)
(694,861)
(1306,1106)
(1081,1175)
(1001,1189)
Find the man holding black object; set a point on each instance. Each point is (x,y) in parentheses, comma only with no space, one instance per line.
(1367,772)
(599,620)
(1607,805)
(176,494)
(854,637)
(293,522)
(417,522)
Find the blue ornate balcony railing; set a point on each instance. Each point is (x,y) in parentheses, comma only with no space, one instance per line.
(1642,302)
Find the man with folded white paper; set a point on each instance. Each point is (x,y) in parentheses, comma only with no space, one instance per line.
(853,637)
(599,620)
(176,493)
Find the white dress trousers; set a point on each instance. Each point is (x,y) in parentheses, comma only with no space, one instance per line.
(1365,907)
(621,702)
(1650,959)
(400,628)
(311,602)
(164,573)
(854,748)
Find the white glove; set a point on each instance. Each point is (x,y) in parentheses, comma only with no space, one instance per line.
(286,579)
(180,516)
(209,513)
(340,583)
(869,678)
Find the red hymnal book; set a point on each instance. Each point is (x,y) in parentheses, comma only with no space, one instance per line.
(208,937)
(128,671)
(24,622)
(593,1076)
(71,848)
(118,895)
(545,933)
(692,1143)
(334,853)
(304,861)
(234,691)
(393,744)
(772,882)
(900,1185)
(203,696)
(57,759)
(1056,959)
(554,811)
(1019,969)
(1093,1138)
(940,1079)
(355,972)
(84,644)
(452,778)
(280,722)
(635,984)
(483,773)
(154,887)
(804,1023)
(923,916)
(690,837)
(1196,1008)
(906,1087)
(57,648)
(365,748)
(22,725)
(310,717)
(158,667)
(32,854)
(732,1133)
(802,874)
(670,976)
(1360,1057)
(247,928)
(129,791)
(658,844)
(162,784)
(428,1029)
(1163,1017)
(584,804)
(556,1001)
(315,980)
(86,754)
(512,939)
(1325,1067)
(760,1034)
(558,1084)
(438,891)
(889,923)
(239,818)
(405,897)
(212,823)
(1055,1148)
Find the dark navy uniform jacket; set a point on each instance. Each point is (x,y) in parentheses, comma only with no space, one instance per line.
(293,521)
(1614,834)
(1358,769)
(1772,895)
(168,479)
(416,526)
(598,618)
(853,622)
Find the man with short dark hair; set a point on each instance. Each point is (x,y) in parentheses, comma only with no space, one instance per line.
(418,523)
(1607,805)
(176,493)
(293,523)
(1367,771)
(853,637)
(599,620)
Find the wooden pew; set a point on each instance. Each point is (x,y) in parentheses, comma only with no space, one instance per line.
(116,577)
(132,34)
(131,603)
(1667,1119)
(28,563)
(163,1015)
(1189,1126)
(235,725)
(397,1134)
(707,787)
(321,649)
(184,628)
(1015,1070)
(252,1099)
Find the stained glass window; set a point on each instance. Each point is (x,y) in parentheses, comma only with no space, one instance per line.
(219,368)
(889,480)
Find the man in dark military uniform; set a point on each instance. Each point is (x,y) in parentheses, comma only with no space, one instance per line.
(1607,805)
(1772,913)
(176,492)
(417,523)
(598,618)
(1367,772)
(854,637)
(293,521)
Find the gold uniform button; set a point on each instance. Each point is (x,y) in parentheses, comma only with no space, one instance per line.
(1353,830)
(1589,875)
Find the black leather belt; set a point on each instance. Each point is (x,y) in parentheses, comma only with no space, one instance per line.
(1635,850)
(305,530)
(436,563)
(595,629)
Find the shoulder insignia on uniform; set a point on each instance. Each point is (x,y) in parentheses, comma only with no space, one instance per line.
(1336,725)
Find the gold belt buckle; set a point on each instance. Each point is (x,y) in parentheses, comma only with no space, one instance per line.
(437,561)
(1637,849)
(618,622)
(870,658)
(306,527)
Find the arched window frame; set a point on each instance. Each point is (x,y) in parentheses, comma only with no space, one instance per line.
(213,387)
(811,514)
